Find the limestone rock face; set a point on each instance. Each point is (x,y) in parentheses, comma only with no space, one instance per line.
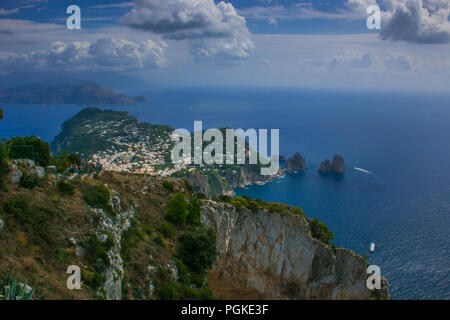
(295,163)
(325,166)
(15,174)
(338,165)
(266,256)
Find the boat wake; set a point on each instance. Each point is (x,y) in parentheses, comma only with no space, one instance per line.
(363,170)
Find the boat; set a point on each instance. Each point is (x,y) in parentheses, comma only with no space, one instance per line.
(372,247)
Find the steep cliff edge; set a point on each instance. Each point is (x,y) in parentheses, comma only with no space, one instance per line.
(270,256)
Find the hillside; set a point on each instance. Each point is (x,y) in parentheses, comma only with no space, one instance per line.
(140,237)
(86,94)
(124,144)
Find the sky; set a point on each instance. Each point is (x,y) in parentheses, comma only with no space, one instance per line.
(283,43)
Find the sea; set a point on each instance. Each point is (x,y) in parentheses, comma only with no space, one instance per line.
(396,145)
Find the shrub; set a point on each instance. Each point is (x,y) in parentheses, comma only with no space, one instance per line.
(98,197)
(40,147)
(197,249)
(169,186)
(28,181)
(74,158)
(96,253)
(65,188)
(177,209)
(167,230)
(188,186)
(36,220)
(4,167)
(194,209)
(169,291)
(320,231)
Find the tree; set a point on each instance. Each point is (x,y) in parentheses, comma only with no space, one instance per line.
(40,147)
(177,209)
(195,207)
(197,249)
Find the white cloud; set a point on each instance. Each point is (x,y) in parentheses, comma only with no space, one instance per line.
(414,21)
(352,61)
(110,54)
(299,11)
(215,31)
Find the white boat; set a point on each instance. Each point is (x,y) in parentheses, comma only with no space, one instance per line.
(372,247)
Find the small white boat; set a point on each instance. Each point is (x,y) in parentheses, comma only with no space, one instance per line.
(372,247)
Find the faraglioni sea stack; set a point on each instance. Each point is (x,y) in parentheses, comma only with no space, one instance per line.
(325,166)
(295,163)
(338,164)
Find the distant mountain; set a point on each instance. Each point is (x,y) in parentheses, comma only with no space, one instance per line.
(86,94)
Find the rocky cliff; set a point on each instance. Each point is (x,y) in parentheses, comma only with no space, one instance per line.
(295,163)
(338,164)
(271,256)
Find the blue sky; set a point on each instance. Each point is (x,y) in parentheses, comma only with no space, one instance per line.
(323,44)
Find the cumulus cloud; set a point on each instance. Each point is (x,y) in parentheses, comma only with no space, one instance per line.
(215,31)
(414,21)
(361,61)
(116,54)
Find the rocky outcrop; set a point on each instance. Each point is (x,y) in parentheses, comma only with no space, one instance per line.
(338,164)
(113,227)
(325,166)
(267,256)
(295,163)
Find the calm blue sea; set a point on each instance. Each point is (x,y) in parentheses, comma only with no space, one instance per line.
(402,139)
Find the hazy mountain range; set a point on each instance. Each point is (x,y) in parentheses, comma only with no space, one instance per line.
(85,94)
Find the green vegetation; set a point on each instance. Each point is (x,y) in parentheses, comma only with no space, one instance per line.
(65,188)
(167,230)
(36,221)
(11,289)
(28,181)
(97,197)
(320,231)
(197,249)
(4,167)
(65,161)
(179,211)
(169,186)
(245,202)
(40,148)
(97,256)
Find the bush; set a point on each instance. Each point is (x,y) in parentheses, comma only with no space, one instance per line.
(167,230)
(169,186)
(65,188)
(28,181)
(194,209)
(98,197)
(4,167)
(169,291)
(74,158)
(320,231)
(177,209)
(189,186)
(197,249)
(40,147)
(35,221)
